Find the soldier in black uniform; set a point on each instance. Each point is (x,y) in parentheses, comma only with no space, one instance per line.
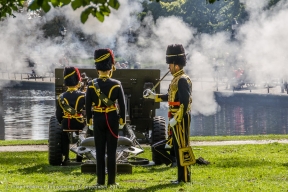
(105,103)
(69,107)
(179,99)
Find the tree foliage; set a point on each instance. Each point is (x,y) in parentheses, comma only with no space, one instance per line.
(199,13)
(206,16)
(96,8)
(8,6)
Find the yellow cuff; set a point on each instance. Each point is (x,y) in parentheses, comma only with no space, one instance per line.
(157,99)
(121,121)
(89,122)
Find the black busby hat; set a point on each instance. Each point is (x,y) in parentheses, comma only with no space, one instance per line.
(104,59)
(175,54)
(71,76)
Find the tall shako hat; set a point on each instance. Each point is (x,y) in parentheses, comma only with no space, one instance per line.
(175,54)
(71,76)
(104,59)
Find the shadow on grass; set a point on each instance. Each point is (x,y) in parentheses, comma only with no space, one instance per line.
(155,168)
(237,162)
(45,168)
(152,188)
(156,187)
(18,158)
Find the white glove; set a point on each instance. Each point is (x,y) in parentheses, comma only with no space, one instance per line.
(121,126)
(148,94)
(91,127)
(172,122)
(167,146)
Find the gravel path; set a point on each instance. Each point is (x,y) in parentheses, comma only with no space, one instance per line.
(196,143)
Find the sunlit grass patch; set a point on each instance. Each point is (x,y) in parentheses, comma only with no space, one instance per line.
(232,168)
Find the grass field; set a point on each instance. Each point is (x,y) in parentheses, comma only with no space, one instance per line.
(232,168)
(194,138)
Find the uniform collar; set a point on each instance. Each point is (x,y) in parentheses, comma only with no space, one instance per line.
(104,76)
(178,73)
(72,89)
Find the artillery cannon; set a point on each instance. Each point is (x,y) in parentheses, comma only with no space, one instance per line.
(142,124)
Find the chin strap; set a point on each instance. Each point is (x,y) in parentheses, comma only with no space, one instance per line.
(113,69)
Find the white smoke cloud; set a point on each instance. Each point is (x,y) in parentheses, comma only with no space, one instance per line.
(204,103)
(264,43)
(260,47)
(254,7)
(260,50)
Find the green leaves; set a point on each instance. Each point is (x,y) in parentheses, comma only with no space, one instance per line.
(93,11)
(114,4)
(99,16)
(105,10)
(76,4)
(8,6)
(65,2)
(45,6)
(34,5)
(97,8)
(85,14)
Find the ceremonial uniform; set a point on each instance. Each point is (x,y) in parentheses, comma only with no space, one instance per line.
(105,103)
(69,107)
(179,99)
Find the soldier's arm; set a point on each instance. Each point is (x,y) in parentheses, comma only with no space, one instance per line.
(88,105)
(59,111)
(82,104)
(161,97)
(122,106)
(184,95)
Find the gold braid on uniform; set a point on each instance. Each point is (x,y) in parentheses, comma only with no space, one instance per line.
(174,85)
(174,88)
(67,115)
(179,114)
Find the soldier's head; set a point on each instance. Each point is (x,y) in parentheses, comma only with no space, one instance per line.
(104,60)
(175,57)
(71,76)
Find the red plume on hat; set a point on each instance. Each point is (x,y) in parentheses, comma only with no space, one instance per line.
(71,76)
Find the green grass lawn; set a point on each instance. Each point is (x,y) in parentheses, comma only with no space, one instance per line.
(232,168)
(194,138)
(239,137)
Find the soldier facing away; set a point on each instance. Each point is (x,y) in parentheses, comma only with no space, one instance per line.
(70,107)
(105,103)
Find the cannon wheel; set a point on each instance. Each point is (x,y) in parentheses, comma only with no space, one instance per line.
(55,142)
(158,134)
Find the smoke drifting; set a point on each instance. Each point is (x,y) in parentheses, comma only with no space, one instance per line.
(260,46)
